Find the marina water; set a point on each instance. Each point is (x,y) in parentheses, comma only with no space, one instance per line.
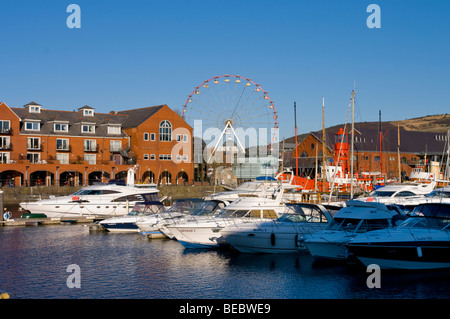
(34,261)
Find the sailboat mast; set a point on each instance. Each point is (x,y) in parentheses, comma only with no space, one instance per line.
(379,132)
(352,143)
(296,145)
(323,144)
(398,154)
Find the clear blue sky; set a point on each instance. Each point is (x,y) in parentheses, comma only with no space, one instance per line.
(131,54)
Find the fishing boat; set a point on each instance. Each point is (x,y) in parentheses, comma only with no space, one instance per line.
(357,217)
(128,223)
(101,200)
(204,232)
(421,242)
(280,235)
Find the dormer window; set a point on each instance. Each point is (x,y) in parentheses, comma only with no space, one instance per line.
(88,128)
(33,107)
(61,127)
(114,129)
(87,112)
(32,126)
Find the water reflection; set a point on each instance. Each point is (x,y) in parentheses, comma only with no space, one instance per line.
(34,262)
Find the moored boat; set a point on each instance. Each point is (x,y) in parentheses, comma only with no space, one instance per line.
(280,235)
(357,217)
(421,242)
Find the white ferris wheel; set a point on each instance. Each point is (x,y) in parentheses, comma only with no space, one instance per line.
(232,104)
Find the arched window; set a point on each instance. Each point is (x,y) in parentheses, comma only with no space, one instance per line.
(165,131)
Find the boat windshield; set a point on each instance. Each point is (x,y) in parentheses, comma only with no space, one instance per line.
(95,192)
(297,214)
(209,208)
(380,193)
(438,194)
(359,225)
(429,216)
(147,208)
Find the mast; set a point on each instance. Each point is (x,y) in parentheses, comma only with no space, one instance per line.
(352,143)
(398,154)
(323,143)
(379,131)
(296,145)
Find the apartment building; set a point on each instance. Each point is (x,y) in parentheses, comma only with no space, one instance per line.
(53,147)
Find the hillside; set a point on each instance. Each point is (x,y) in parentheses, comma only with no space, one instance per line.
(439,123)
(429,123)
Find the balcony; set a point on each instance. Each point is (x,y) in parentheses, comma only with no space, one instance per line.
(34,147)
(63,148)
(6,147)
(5,131)
(91,149)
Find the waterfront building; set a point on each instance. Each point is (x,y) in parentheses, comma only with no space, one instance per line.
(53,147)
(415,149)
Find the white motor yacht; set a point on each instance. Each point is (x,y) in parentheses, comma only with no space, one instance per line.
(128,223)
(406,194)
(357,217)
(421,242)
(153,224)
(280,235)
(103,200)
(205,232)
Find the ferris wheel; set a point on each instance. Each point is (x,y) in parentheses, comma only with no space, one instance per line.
(231,103)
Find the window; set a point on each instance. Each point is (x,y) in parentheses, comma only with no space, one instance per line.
(34,109)
(88,128)
(5,127)
(185,158)
(376,159)
(33,143)
(90,158)
(165,157)
(90,145)
(114,130)
(5,143)
(34,158)
(115,146)
(145,136)
(146,157)
(32,126)
(178,137)
(4,158)
(165,131)
(152,137)
(88,112)
(185,138)
(152,157)
(60,127)
(62,144)
(63,158)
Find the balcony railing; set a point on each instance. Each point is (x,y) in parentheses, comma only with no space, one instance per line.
(6,131)
(6,147)
(37,147)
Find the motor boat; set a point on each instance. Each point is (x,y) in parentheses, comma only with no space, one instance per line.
(256,187)
(209,209)
(280,235)
(204,232)
(406,194)
(128,223)
(152,224)
(101,200)
(421,242)
(357,217)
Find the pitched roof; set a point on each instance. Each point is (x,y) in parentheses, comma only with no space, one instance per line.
(137,116)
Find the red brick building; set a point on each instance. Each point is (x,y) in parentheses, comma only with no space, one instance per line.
(40,146)
(416,148)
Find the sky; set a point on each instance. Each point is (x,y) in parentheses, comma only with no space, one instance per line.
(131,54)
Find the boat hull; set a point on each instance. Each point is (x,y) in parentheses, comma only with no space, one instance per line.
(416,255)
